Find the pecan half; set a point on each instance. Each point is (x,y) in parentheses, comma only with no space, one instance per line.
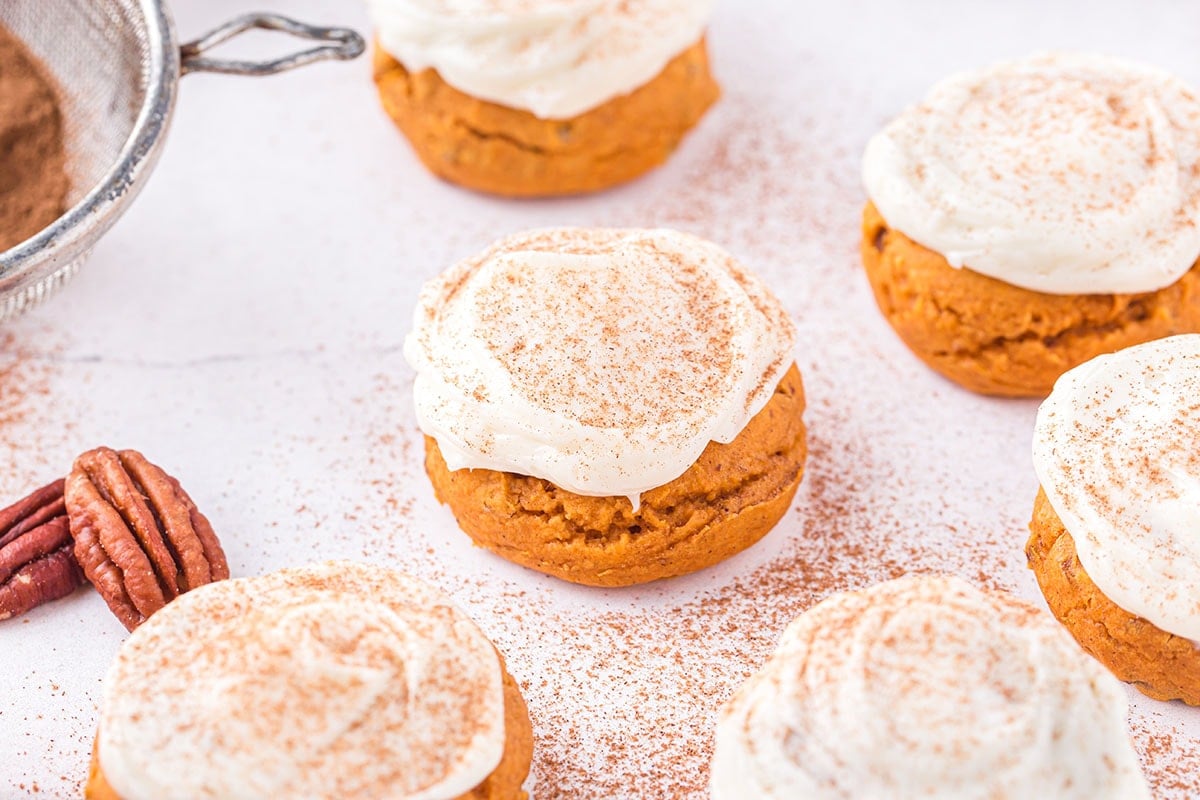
(138,536)
(37,564)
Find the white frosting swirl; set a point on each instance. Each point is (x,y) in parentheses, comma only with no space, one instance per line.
(604,361)
(554,58)
(1060,173)
(334,680)
(1115,451)
(926,687)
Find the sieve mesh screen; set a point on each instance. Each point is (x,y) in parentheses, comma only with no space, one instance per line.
(97,51)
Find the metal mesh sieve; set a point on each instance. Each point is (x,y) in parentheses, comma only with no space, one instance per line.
(117,64)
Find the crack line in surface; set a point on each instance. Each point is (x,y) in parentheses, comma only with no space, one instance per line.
(217,359)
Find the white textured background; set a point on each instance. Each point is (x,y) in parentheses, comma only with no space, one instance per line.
(242,326)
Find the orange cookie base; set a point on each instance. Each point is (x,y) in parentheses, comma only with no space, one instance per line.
(728,500)
(995,338)
(503,784)
(507,151)
(1161,665)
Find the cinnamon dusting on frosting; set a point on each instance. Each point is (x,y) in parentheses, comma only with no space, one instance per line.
(1061,173)
(926,687)
(603,360)
(336,680)
(546,320)
(1114,448)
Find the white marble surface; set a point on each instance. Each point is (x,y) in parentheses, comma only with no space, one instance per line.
(242,326)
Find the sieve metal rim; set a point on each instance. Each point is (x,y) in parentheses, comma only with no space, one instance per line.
(40,265)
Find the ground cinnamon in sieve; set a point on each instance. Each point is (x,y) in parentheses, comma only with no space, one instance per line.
(33,173)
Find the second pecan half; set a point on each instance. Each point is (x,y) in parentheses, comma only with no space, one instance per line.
(138,536)
(36,560)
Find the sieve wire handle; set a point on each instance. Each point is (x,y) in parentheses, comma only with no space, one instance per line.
(338,43)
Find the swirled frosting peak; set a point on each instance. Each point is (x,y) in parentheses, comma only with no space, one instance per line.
(926,687)
(335,680)
(554,58)
(1115,449)
(1061,173)
(601,360)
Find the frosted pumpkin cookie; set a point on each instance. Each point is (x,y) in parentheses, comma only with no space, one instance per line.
(608,406)
(1115,538)
(926,687)
(329,681)
(1027,217)
(549,98)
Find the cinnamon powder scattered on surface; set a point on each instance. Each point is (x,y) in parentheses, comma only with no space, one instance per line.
(33,164)
(1170,758)
(29,430)
(37,440)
